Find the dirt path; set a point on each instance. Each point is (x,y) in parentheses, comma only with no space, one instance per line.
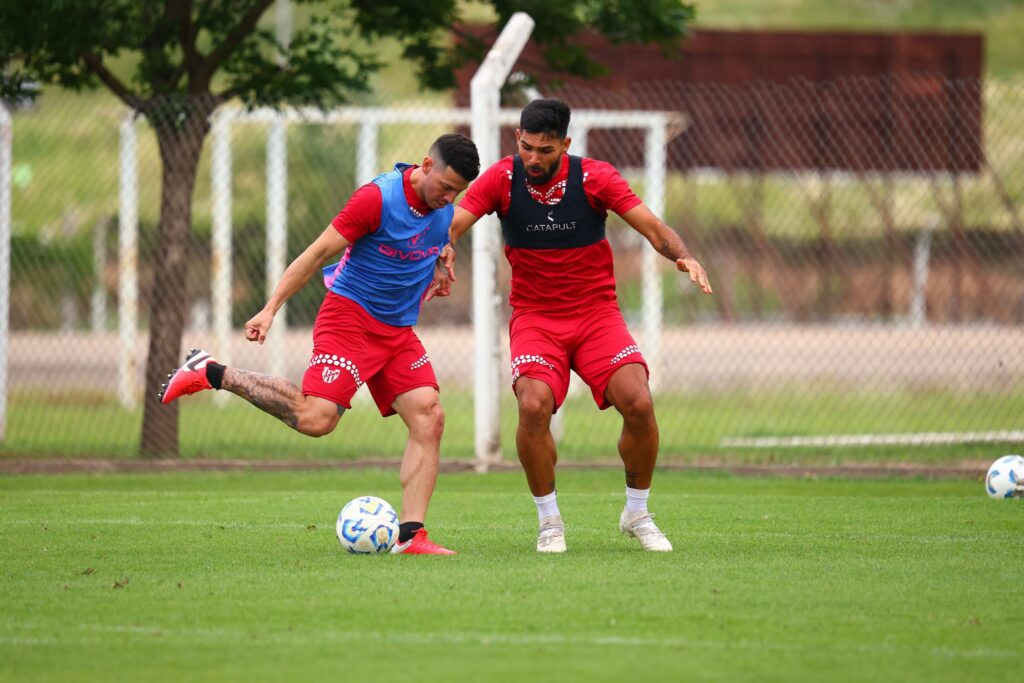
(718,357)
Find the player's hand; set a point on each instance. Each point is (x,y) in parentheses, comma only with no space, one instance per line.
(697,273)
(441,285)
(258,326)
(447,259)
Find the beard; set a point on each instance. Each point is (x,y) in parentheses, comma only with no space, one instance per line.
(542,179)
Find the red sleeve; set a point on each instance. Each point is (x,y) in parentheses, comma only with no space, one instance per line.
(490,192)
(361,214)
(606,189)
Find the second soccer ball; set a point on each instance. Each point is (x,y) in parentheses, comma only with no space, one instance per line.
(1005,478)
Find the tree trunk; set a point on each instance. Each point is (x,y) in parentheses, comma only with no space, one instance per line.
(180,133)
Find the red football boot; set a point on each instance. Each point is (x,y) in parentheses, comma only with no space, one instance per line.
(419,544)
(190,378)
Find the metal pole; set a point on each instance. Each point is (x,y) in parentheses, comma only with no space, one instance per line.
(484,95)
(98,315)
(277,203)
(277,235)
(366,152)
(578,135)
(6,144)
(654,198)
(221,264)
(922,256)
(128,262)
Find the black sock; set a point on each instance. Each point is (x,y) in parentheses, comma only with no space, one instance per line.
(407,530)
(214,374)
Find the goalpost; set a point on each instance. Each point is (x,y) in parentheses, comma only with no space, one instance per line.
(485,96)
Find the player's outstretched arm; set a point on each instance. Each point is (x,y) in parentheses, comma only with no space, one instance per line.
(296,275)
(668,243)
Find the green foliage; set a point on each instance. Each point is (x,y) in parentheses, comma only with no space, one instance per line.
(326,60)
(314,57)
(45,275)
(238,577)
(421,27)
(32,258)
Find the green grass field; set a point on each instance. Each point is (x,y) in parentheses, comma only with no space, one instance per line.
(239,577)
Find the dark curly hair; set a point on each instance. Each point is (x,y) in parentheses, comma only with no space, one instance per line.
(546,116)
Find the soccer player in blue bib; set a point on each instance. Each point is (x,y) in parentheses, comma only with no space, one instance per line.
(390,233)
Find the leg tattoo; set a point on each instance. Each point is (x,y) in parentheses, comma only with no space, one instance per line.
(274,395)
(631,479)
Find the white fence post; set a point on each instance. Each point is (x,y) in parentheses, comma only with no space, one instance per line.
(277,233)
(6,144)
(922,256)
(220,241)
(485,97)
(98,305)
(578,135)
(654,198)
(128,262)
(366,152)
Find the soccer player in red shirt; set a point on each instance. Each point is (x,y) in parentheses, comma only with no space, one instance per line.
(391,232)
(565,314)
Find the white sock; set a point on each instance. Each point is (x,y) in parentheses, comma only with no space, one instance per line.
(547,505)
(636,499)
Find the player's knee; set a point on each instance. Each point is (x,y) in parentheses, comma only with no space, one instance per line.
(316,427)
(638,407)
(429,422)
(434,421)
(317,423)
(534,407)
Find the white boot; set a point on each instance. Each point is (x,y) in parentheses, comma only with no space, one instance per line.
(551,538)
(641,526)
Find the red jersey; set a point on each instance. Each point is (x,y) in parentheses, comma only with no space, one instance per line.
(556,278)
(361,214)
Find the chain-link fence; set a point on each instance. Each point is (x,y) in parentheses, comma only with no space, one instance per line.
(869,273)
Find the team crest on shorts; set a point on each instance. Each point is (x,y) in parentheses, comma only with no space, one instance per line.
(331,374)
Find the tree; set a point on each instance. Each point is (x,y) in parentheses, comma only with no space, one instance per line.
(189,58)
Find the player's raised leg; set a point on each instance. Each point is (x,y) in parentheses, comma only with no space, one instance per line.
(311,415)
(276,396)
(630,393)
(421,411)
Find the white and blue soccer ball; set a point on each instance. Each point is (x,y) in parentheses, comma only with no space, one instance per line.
(367,526)
(1005,478)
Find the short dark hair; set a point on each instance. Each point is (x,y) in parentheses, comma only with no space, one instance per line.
(546,116)
(457,151)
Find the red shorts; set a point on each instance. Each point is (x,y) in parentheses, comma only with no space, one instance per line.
(594,342)
(351,347)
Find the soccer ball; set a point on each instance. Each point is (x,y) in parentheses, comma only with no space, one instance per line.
(367,526)
(1005,478)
